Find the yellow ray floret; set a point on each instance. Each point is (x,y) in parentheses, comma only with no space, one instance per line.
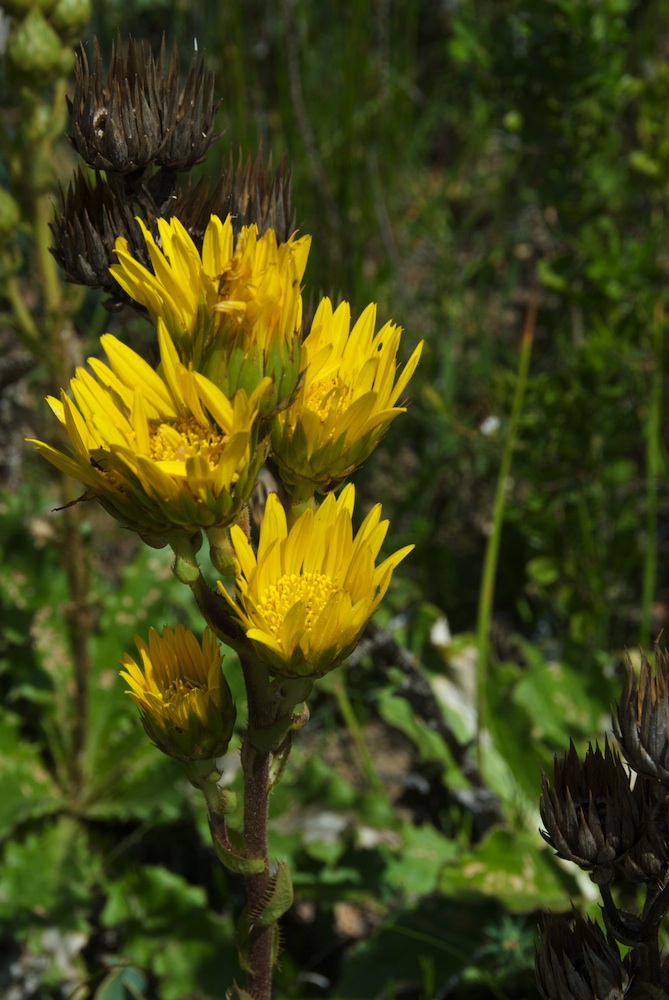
(252,289)
(306,596)
(347,399)
(181,693)
(159,449)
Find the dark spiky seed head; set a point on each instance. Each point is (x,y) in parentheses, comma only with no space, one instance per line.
(140,116)
(251,192)
(641,720)
(92,215)
(578,963)
(591,814)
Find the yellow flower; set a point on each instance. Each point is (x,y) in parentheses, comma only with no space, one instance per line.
(159,449)
(183,284)
(235,313)
(183,697)
(346,401)
(308,594)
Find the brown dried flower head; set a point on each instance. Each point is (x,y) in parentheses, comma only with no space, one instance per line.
(578,963)
(250,193)
(92,216)
(140,116)
(641,721)
(591,814)
(648,859)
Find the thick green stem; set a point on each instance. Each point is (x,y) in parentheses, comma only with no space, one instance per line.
(487,589)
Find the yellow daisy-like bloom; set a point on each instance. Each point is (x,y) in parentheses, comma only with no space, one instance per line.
(306,596)
(183,697)
(234,312)
(346,401)
(159,450)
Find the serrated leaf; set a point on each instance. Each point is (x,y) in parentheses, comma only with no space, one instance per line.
(27,788)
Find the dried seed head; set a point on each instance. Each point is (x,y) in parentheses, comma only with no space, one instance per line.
(250,193)
(140,117)
(641,721)
(648,858)
(578,963)
(592,816)
(91,217)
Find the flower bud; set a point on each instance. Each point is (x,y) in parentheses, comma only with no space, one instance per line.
(34,48)
(70,17)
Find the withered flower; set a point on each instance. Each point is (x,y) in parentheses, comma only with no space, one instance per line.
(578,963)
(591,814)
(140,117)
(92,216)
(641,722)
(647,860)
(250,193)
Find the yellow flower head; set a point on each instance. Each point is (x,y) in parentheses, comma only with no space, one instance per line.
(181,693)
(346,402)
(234,312)
(159,449)
(308,594)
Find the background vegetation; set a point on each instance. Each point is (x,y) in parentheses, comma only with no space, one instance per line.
(452,161)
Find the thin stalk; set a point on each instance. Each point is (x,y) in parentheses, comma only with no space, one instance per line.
(25,324)
(653,467)
(56,335)
(46,263)
(356,734)
(79,624)
(487,588)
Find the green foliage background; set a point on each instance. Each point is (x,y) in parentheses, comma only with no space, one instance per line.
(451,160)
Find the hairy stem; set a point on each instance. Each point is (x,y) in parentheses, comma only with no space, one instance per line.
(256,765)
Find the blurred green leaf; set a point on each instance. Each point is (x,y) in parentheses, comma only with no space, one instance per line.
(513,867)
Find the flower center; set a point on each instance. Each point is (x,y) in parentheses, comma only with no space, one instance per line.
(329,397)
(185,438)
(182,689)
(313,590)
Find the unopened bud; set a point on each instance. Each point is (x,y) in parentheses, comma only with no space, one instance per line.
(70,17)
(34,48)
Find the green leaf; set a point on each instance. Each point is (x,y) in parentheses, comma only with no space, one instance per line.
(122,983)
(414,869)
(169,930)
(398,712)
(27,788)
(50,874)
(512,867)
